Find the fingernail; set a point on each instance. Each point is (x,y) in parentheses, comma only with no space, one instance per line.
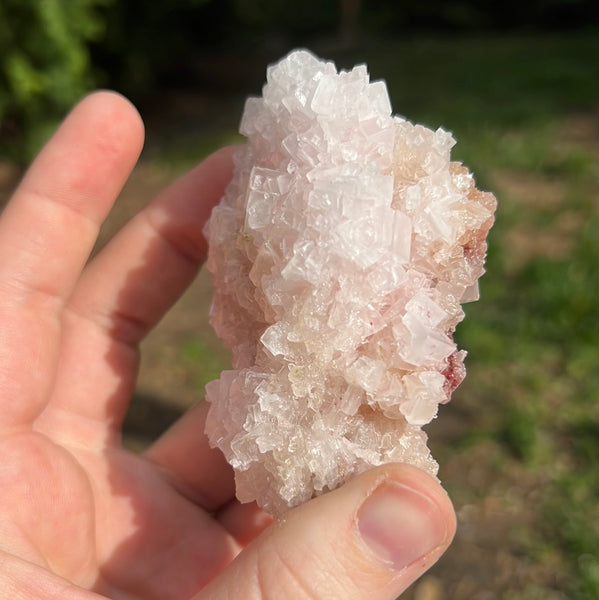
(400,525)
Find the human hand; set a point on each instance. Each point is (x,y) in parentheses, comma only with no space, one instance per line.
(80,517)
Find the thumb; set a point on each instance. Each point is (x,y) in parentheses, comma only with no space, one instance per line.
(368,540)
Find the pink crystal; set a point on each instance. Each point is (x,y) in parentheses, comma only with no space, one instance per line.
(340,254)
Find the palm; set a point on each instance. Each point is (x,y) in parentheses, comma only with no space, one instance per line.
(74,503)
(120,506)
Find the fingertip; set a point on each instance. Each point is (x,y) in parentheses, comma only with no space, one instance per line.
(110,99)
(386,526)
(115,113)
(371,538)
(91,154)
(429,486)
(406,521)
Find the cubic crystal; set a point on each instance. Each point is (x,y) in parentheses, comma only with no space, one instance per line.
(340,254)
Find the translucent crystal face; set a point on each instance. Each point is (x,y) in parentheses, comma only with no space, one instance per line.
(340,254)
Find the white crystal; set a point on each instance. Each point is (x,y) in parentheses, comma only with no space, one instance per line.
(340,254)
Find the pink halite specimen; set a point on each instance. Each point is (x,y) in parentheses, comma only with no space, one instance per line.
(340,253)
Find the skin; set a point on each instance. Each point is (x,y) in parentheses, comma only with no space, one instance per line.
(81,518)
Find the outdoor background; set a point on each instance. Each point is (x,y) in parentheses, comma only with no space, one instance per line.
(518,84)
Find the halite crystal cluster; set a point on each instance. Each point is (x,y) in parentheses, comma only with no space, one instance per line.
(340,254)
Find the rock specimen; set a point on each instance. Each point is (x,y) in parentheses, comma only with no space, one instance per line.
(340,254)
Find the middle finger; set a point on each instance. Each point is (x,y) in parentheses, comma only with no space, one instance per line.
(125,291)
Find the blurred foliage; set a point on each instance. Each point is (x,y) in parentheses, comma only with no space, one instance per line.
(152,44)
(470,15)
(138,46)
(285,15)
(44,66)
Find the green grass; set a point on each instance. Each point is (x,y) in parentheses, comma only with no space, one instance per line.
(197,351)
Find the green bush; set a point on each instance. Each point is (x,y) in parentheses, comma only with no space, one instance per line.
(44,67)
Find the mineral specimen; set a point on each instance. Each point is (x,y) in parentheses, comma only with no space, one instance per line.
(340,254)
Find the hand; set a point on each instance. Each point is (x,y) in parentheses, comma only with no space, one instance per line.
(80,517)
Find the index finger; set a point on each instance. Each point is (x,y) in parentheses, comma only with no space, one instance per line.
(50,225)
(46,234)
